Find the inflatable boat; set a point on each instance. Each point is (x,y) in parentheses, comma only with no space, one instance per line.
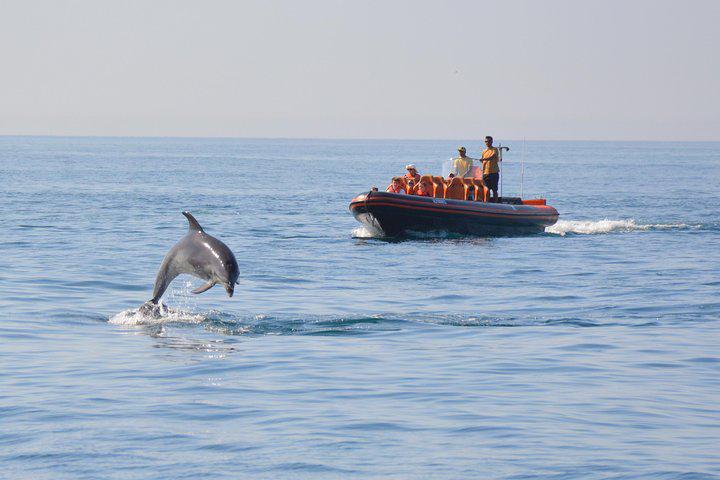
(395,214)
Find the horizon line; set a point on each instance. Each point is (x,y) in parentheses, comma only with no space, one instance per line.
(225,137)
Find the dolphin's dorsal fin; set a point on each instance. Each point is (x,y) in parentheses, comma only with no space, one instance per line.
(193,225)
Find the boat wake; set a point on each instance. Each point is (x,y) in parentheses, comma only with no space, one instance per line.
(564,227)
(351,325)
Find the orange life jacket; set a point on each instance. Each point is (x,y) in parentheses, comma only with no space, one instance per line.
(409,176)
(456,189)
(393,189)
(424,190)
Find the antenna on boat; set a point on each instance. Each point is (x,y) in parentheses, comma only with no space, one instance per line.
(522,169)
(500,150)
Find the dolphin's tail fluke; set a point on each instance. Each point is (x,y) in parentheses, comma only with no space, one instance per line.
(151,308)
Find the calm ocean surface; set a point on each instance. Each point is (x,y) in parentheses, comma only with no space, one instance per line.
(590,351)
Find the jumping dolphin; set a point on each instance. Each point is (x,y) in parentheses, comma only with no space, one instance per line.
(200,255)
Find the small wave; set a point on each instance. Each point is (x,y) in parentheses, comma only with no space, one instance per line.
(563,227)
(324,325)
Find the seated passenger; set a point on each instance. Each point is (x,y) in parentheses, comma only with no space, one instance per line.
(425,188)
(396,186)
(439,183)
(412,173)
(411,187)
(469,189)
(456,189)
(462,165)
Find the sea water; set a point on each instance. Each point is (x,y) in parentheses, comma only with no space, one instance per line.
(589,351)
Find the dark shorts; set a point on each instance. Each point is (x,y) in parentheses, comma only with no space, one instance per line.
(491,181)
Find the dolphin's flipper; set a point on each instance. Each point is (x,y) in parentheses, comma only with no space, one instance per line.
(204,288)
(193,225)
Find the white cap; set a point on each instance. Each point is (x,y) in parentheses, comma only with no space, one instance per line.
(410,166)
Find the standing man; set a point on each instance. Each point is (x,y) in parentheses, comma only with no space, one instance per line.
(462,165)
(491,169)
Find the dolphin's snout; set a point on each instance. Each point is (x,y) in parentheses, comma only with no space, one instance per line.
(230,289)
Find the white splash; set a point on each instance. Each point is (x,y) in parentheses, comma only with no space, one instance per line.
(365,232)
(183,312)
(563,227)
(134,317)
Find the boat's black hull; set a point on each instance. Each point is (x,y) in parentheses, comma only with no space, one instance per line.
(395,214)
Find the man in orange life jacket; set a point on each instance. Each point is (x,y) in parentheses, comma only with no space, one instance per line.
(491,169)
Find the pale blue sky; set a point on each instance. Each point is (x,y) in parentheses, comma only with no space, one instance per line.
(379,69)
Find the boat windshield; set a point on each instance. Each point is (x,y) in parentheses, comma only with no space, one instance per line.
(448,167)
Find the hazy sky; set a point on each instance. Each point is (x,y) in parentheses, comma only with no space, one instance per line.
(379,69)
